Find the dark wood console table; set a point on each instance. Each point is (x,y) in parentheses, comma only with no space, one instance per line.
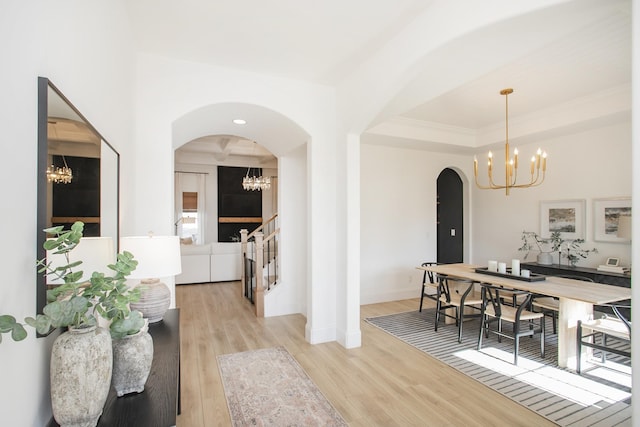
(159,403)
(615,279)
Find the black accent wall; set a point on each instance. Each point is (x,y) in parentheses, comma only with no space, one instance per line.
(234,201)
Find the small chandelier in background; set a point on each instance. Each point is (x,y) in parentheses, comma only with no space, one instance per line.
(59,175)
(252,183)
(539,161)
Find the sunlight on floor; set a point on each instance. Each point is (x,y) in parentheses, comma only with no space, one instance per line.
(573,387)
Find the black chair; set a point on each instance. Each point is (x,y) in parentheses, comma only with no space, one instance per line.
(431,277)
(454,293)
(495,311)
(550,306)
(618,328)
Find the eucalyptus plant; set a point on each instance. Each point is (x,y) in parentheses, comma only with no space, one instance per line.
(531,240)
(75,303)
(570,249)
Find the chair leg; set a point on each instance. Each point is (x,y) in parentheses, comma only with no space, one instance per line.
(438,305)
(516,342)
(554,320)
(482,332)
(421,298)
(460,322)
(542,336)
(578,346)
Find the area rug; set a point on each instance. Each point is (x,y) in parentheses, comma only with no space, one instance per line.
(268,387)
(599,397)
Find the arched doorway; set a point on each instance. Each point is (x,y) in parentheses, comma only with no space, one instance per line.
(450,217)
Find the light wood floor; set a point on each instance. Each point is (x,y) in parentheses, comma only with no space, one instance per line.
(383,383)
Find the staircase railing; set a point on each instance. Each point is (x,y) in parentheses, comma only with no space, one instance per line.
(260,262)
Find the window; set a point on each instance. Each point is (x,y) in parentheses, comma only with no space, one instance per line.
(189,220)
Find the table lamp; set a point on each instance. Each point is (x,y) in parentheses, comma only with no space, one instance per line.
(96,253)
(157,256)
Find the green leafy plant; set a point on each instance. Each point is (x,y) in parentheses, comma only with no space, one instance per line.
(532,241)
(115,296)
(573,251)
(74,303)
(569,249)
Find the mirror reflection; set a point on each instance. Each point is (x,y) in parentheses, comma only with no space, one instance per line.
(77,173)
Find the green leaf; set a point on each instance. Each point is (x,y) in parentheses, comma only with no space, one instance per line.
(7,323)
(54,230)
(18,333)
(130,325)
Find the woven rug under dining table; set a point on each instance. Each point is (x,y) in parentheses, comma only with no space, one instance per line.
(600,397)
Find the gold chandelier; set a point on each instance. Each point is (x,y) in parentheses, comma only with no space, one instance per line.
(252,183)
(59,175)
(539,161)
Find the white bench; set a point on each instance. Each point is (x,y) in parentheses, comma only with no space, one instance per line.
(607,326)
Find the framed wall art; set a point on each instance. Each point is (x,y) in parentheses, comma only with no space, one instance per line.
(612,220)
(564,216)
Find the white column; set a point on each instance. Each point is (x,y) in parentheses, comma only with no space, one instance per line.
(352,335)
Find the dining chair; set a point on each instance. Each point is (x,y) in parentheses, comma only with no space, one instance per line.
(523,320)
(617,327)
(429,279)
(457,294)
(550,306)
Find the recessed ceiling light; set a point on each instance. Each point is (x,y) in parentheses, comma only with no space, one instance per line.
(240,121)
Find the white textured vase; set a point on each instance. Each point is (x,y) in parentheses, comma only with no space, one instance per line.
(155,298)
(81,366)
(545,258)
(132,358)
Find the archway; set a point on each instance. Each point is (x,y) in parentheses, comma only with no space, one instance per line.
(284,139)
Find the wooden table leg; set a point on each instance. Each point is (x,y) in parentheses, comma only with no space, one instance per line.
(570,312)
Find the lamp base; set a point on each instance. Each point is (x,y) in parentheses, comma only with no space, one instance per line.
(155,298)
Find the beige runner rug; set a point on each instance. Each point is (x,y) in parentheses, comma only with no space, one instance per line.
(268,387)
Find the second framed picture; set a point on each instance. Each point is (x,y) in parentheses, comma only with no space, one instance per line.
(564,216)
(612,220)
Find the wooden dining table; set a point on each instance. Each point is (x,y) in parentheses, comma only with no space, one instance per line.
(576,298)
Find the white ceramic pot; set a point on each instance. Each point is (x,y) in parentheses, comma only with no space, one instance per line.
(545,258)
(81,366)
(132,358)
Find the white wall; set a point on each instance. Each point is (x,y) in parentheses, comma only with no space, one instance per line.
(398,218)
(73,44)
(588,165)
(293,216)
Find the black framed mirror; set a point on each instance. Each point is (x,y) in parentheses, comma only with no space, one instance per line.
(78,175)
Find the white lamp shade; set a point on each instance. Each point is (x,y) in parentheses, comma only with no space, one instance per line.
(157,256)
(96,253)
(624,227)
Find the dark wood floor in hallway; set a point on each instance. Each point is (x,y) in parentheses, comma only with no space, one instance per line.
(383,383)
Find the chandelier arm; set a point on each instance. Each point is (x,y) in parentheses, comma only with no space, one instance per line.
(532,184)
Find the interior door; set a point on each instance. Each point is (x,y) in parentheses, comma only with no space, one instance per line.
(450,217)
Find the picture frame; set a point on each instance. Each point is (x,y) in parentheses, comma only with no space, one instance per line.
(606,214)
(564,216)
